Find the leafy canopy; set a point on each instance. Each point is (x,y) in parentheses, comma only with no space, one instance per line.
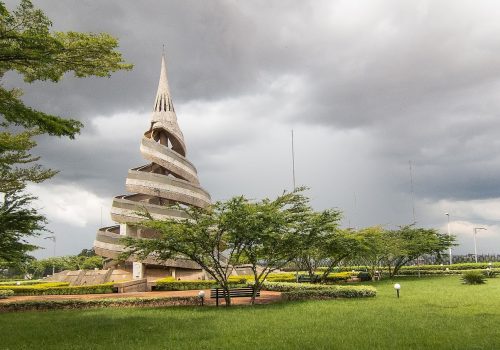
(28,47)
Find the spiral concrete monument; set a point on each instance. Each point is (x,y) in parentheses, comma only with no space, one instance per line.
(168,179)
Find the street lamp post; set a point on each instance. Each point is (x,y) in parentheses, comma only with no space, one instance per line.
(449,236)
(475,244)
(53,239)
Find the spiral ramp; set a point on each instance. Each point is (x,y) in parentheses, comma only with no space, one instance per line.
(168,179)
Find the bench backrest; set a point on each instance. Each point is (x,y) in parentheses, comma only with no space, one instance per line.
(233,293)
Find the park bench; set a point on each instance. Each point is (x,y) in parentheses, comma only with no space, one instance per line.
(243,292)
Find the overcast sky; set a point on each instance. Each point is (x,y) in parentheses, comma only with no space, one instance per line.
(367,87)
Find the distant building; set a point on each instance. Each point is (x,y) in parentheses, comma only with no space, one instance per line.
(169,178)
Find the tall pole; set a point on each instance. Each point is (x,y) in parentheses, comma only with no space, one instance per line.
(293,164)
(449,236)
(475,244)
(53,239)
(412,192)
(413,207)
(293,179)
(54,255)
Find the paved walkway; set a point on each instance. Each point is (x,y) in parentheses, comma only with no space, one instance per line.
(265,298)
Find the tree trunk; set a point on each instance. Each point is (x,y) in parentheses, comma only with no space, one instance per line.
(227,296)
(255,288)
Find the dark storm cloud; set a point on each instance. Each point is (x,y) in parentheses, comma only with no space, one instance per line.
(412,80)
(420,75)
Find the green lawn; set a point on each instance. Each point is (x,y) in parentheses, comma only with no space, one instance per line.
(432,313)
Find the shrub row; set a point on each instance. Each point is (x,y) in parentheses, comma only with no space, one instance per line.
(21,282)
(290,277)
(60,289)
(99,303)
(337,292)
(34,286)
(4,293)
(167,284)
(412,272)
(294,291)
(459,266)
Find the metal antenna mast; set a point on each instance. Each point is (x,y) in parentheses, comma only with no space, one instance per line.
(412,192)
(293,164)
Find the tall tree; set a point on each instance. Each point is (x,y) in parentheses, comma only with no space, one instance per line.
(377,247)
(396,248)
(28,47)
(265,234)
(411,242)
(203,237)
(270,232)
(329,250)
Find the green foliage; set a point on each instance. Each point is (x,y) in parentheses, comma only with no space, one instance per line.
(290,277)
(43,267)
(300,291)
(191,285)
(396,248)
(43,285)
(18,221)
(242,279)
(97,303)
(324,242)
(21,283)
(5,293)
(458,267)
(228,233)
(338,292)
(473,277)
(461,266)
(432,313)
(14,157)
(28,47)
(491,273)
(61,288)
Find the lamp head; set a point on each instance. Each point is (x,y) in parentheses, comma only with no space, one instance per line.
(201,294)
(397,286)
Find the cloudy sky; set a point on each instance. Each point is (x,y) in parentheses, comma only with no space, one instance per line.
(367,87)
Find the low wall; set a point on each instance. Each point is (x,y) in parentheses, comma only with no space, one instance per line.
(133,286)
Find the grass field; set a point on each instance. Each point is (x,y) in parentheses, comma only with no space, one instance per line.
(432,313)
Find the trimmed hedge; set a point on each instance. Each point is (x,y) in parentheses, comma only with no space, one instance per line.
(459,266)
(290,277)
(413,272)
(60,288)
(294,291)
(5,293)
(167,284)
(333,293)
(98,303)
(21,282)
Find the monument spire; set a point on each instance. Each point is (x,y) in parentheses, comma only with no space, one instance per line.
(163,101)
(164,120)
(167,179)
